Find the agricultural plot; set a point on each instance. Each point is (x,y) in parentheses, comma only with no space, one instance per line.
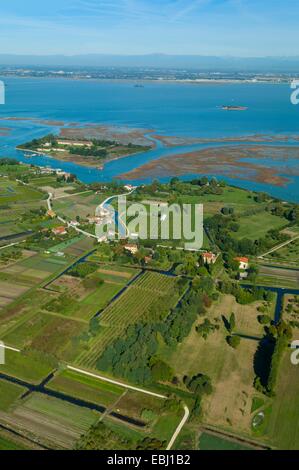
(79,300)
(282,429)
(45,333)
(81,205)
(9,394)
(61,247)
(18,277)
(135,303)
(287,254)
(11,191)
(86,388)
(36,268)
(55,421)
(78,248)
(9,292)
(29,366)
(7,443)
(278,277)
(21,310)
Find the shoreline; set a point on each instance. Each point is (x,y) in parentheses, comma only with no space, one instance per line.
(78,161)
(203,81)
(239,162)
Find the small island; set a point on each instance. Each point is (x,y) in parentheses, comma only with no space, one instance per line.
(93,152)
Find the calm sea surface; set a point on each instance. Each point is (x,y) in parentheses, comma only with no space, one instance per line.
(169,109)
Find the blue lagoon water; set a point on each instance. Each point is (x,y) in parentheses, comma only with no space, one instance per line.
(186,110)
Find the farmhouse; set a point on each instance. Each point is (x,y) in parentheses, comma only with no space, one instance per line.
(131,248)
(51,214)
(75,143)
(209,258)
(243,262)
(128,187)
(59,231)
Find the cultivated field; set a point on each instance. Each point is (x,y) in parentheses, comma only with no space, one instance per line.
(135,303)
(87,388)
(11,192)
(54,421)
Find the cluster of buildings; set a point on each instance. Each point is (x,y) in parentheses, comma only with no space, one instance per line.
(211,258)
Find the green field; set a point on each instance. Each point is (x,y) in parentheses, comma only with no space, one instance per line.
(56,422)
(212,442)
(9,393)
(87,388)
(283,424)
(11,191)
(257,225)
(231,371)
(8,444)
(72,415)
(278,277)
(29,367)
(288,253)
(81,205)
(79,302)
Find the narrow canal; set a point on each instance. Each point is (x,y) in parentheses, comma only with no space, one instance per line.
(41,388)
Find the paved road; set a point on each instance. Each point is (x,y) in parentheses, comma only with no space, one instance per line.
(179,428)
(74,194)
(115,382)
(79,230)
(11,244)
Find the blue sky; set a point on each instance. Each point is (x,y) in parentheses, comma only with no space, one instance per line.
(207,27)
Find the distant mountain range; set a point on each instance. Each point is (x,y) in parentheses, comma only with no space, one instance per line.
(204,63)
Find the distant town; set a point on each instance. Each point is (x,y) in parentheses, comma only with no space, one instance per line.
(144,74)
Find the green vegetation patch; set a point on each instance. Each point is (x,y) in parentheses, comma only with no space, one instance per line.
(212,442)
(9,394)
(85,387)
(8,444)
(28,366)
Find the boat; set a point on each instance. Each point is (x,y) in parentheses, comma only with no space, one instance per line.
(234,108)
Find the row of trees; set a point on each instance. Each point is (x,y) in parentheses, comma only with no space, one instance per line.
(83,269)
(245,295)
(101,437)
(270,354)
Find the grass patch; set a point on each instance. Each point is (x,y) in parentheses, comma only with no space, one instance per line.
(86,388)
(27,366)
(283,426)
(257,402)
(9,394)
(211,442)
